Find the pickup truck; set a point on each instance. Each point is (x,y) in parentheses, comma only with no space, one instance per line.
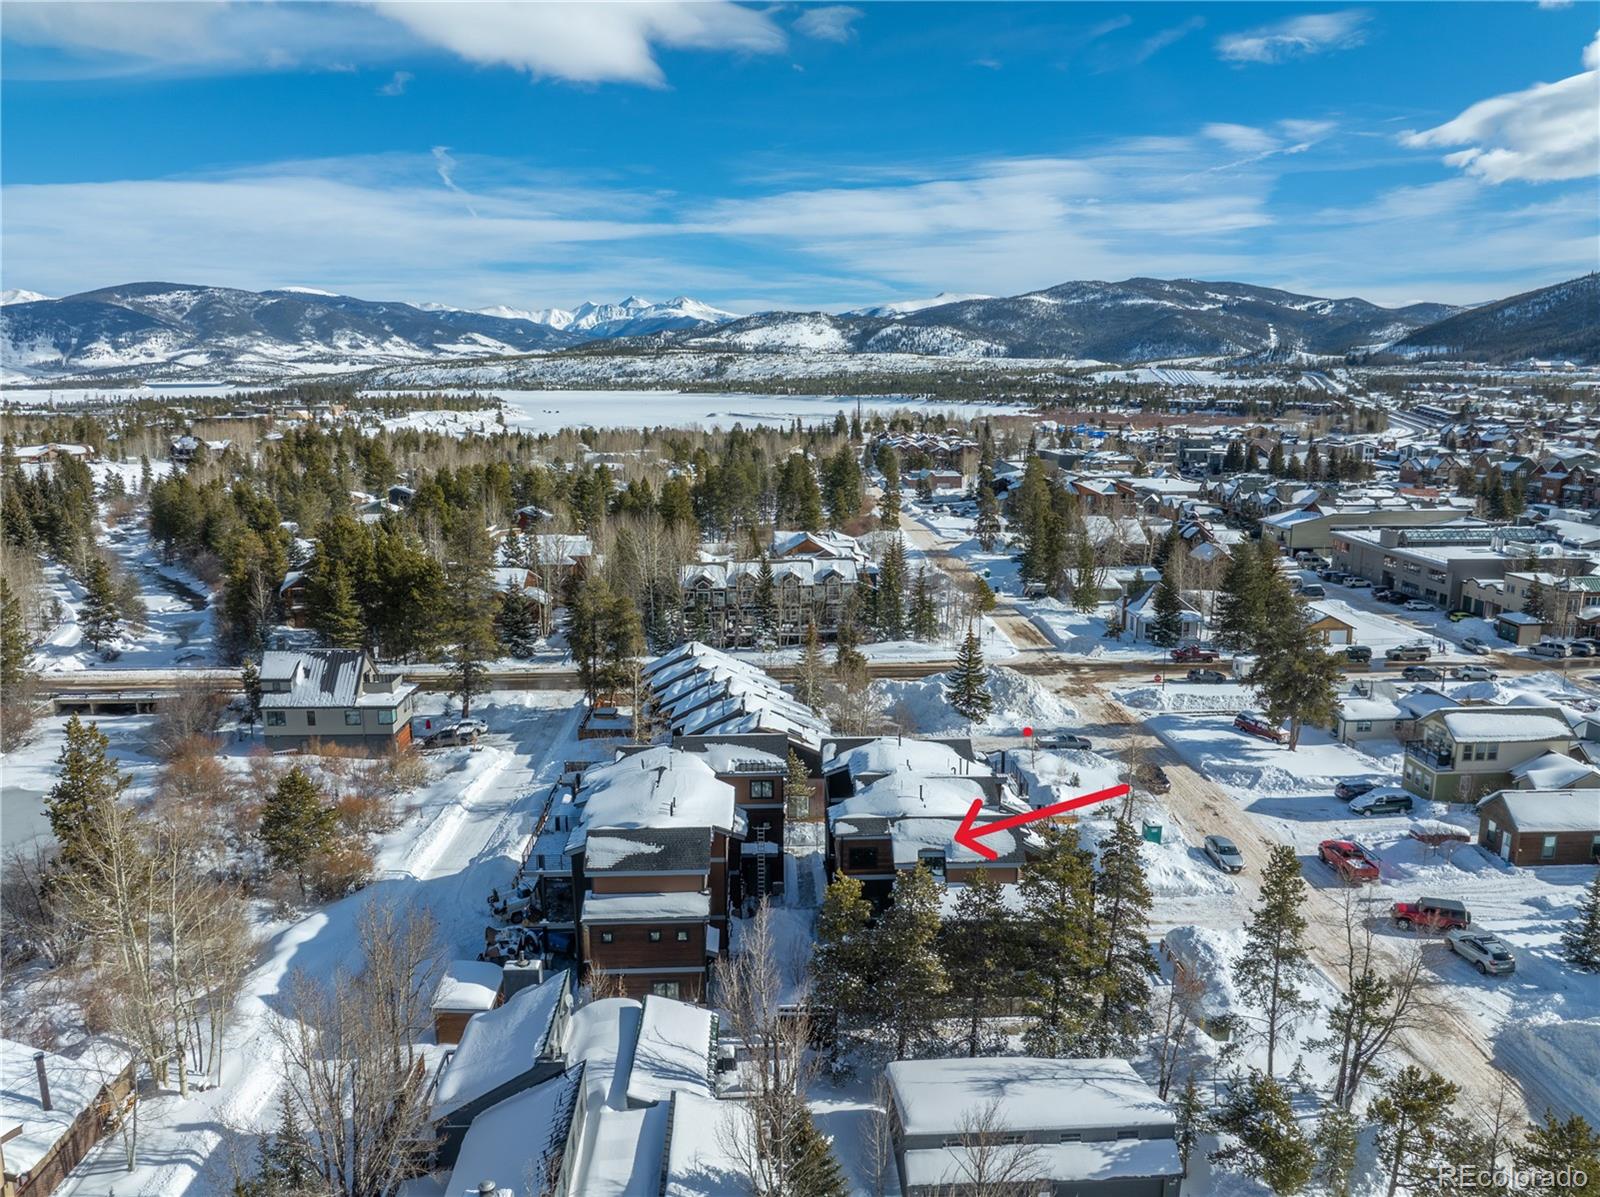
(1431,914)
(1191,653)
(1349,859)
(1209,677)
(1408,652)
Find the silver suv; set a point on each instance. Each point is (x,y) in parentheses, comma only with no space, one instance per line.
(1487,953)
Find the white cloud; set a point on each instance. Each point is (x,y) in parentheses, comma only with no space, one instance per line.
(1163,38)
(397,84)
(1310,33)
(565,39)
(1547,132)
(1246,139)
(828,22)
(582,42)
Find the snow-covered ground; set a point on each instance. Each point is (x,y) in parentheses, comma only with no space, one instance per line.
(462,836)
(1020,701)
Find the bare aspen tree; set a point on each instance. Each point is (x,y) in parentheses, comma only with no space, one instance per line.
(1376,1003)
(1174,1016)
(987,1161)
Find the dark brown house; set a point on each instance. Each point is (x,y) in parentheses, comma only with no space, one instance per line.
(1541,827)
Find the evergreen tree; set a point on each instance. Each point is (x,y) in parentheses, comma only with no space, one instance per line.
(889,505)
(1165,547)
(845,489)
(14,646)
(842,963)
(967,685)
(1062,933)
(924,611)
(1267,1141)
(889,594)
(1561,1148)
(604,634)
(1167,627)
(1580,940)
(1275,460)
(86,779)
(99,616)
(250,682)
(296,824)
(516,623)
(1275,964)
(814,1172)
(987,526)
(1241,615)
(145,474)
(1335,1145)
(811,676)
(286,1163)
(1122,909)
(1085,574)
(1414,1127)
(1535,605)
(1296,676)
(1190,1119)
(909,985)
(336,614)
(469,608)
(980,948)
(766,603)
(808,510)
(797,788)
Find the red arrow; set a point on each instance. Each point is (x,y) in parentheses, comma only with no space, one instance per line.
(970,834)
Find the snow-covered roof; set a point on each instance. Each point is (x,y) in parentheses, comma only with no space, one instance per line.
(500,1045)
(1553,771)
(622,1151)
(1552,810)
(933,1168)
(468,985)
(901,795)
(661,907)
(659,787)
(328,677)
(522,1134)
(908,838)
(673,1051)
(739,758)
(1496,723)
(892,754)
(699,1163)
(74,1086)
(1030,1093)
(601,1036)
(1373,710)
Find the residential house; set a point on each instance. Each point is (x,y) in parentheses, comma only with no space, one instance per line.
(1139,616)
(1092,1127)
(1375,709)
(333,696)
(1542,827)
(54,1109)
(1459,754)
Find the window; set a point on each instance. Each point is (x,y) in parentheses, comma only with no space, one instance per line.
(275,719)
(862,858)
(607,937)
(1547,850)
(655,936)
(1363,725)
(682,936)
(1494,753)
(1127,1134)
(385,716)
(761,789)
(311,719)
(352,718)
(666,989)
(1072,1136)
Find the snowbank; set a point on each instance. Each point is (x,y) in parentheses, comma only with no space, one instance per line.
(1019,701)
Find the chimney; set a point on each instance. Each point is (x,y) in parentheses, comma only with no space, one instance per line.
(487,1189)
(44,1082)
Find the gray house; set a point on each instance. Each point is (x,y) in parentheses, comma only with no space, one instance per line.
(1090,1128)
(333,696)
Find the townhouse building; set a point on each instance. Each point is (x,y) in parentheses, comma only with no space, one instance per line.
(1460,754)
(814,576)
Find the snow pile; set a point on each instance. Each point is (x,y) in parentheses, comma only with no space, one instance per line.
(1185,697)
(1207,956)
(1557,1060)
(1019,702)
(1048,777)
(1172,868)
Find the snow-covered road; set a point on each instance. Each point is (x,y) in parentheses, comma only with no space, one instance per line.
(462,839)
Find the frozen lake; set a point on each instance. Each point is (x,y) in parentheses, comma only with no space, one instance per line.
(549,411)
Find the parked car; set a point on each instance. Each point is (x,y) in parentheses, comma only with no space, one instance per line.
(476,724)
(1383,802)
(1592,642)
(1431,914)
(1194,652)
(1487,953)
(1257,724)
(1359,653)
(1153,778)
(1550,648)
(1419,605)
(1421,673)
(1382,593)
(1209,677)
(1349,859)
(452,736)
(1458,616)
(1223,853)
(1336,576)
(1347,790)
(1064,740)
(1476,673)
(1473,645)
(1313,590)
(1580,648)
(1408,652)
(1357,582)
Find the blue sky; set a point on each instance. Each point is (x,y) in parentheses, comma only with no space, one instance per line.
(810,156)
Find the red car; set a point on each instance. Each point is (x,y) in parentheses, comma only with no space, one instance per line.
(1257,724)
(1349,859)
(1431,914)
(1193,652)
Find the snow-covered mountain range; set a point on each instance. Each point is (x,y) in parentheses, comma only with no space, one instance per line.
(171,331)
